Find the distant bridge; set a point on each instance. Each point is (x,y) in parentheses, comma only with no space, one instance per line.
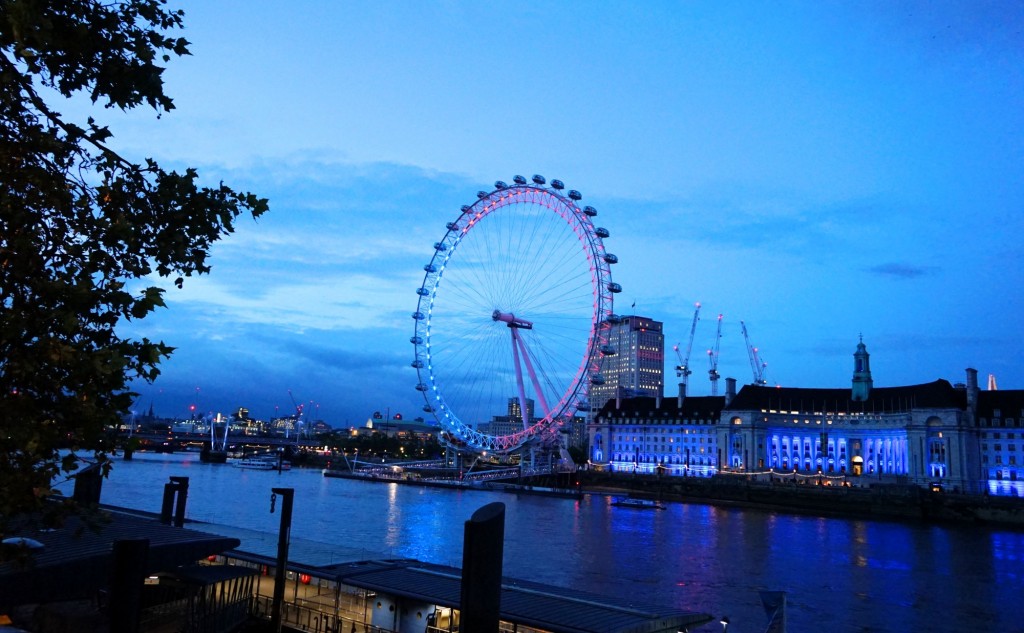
(173,442)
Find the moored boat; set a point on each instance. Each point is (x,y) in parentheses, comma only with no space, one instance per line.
(263,462)
(641,504)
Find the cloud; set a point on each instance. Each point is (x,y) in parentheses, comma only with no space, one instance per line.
(328,301)
(332,354)
(738,216)
(342,248)
(901,271)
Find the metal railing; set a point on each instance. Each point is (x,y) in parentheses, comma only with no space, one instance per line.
(311,619)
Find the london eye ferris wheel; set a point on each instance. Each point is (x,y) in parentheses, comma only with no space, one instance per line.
(513,316)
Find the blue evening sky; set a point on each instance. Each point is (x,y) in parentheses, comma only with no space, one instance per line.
(816,169)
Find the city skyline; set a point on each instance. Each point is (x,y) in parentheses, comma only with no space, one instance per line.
(818,172)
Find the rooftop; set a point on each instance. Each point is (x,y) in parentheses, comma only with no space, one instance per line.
(694,407)
(933,395)
(537,605)
(1001,404)
(75,560)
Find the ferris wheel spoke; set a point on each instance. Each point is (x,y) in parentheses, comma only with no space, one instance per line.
(568,295)
(535,262)
(554,289)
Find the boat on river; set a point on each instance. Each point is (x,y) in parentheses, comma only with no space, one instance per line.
(640,504)
(263,462)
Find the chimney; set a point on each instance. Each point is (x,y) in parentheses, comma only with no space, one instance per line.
(730,390)
(657,401)
(972,390)
(618,398)
(682,395)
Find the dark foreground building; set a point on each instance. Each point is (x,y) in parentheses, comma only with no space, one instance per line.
(139,572)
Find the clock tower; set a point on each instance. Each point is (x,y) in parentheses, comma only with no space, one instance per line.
(861,373)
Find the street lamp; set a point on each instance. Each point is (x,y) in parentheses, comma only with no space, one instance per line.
(725,623)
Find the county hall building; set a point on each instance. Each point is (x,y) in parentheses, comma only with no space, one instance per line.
(937,433)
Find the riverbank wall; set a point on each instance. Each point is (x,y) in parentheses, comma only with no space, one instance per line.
(877,501)
(874,501)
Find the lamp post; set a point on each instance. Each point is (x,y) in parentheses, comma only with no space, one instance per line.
(725,623)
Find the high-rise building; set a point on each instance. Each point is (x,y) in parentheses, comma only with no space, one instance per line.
(512,421)
(516,412)
(637,368)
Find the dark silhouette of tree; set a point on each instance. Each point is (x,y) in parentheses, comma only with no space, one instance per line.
(82,230)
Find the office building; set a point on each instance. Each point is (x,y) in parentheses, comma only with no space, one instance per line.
(637,366)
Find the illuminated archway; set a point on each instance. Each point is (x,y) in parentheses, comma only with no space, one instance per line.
(857,465)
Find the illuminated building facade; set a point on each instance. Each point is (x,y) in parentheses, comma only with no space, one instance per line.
(648,435)
(1001,426)
(637,368)
(937,433)
(914,434)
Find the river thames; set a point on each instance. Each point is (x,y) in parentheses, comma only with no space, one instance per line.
(838,574)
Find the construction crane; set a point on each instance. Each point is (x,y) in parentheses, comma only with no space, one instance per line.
(756,364)
(683,368)
(713,359)
(297,416)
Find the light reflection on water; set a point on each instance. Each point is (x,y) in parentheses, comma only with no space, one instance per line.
(840,575)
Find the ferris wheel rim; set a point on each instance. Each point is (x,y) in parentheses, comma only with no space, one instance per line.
(590,237)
